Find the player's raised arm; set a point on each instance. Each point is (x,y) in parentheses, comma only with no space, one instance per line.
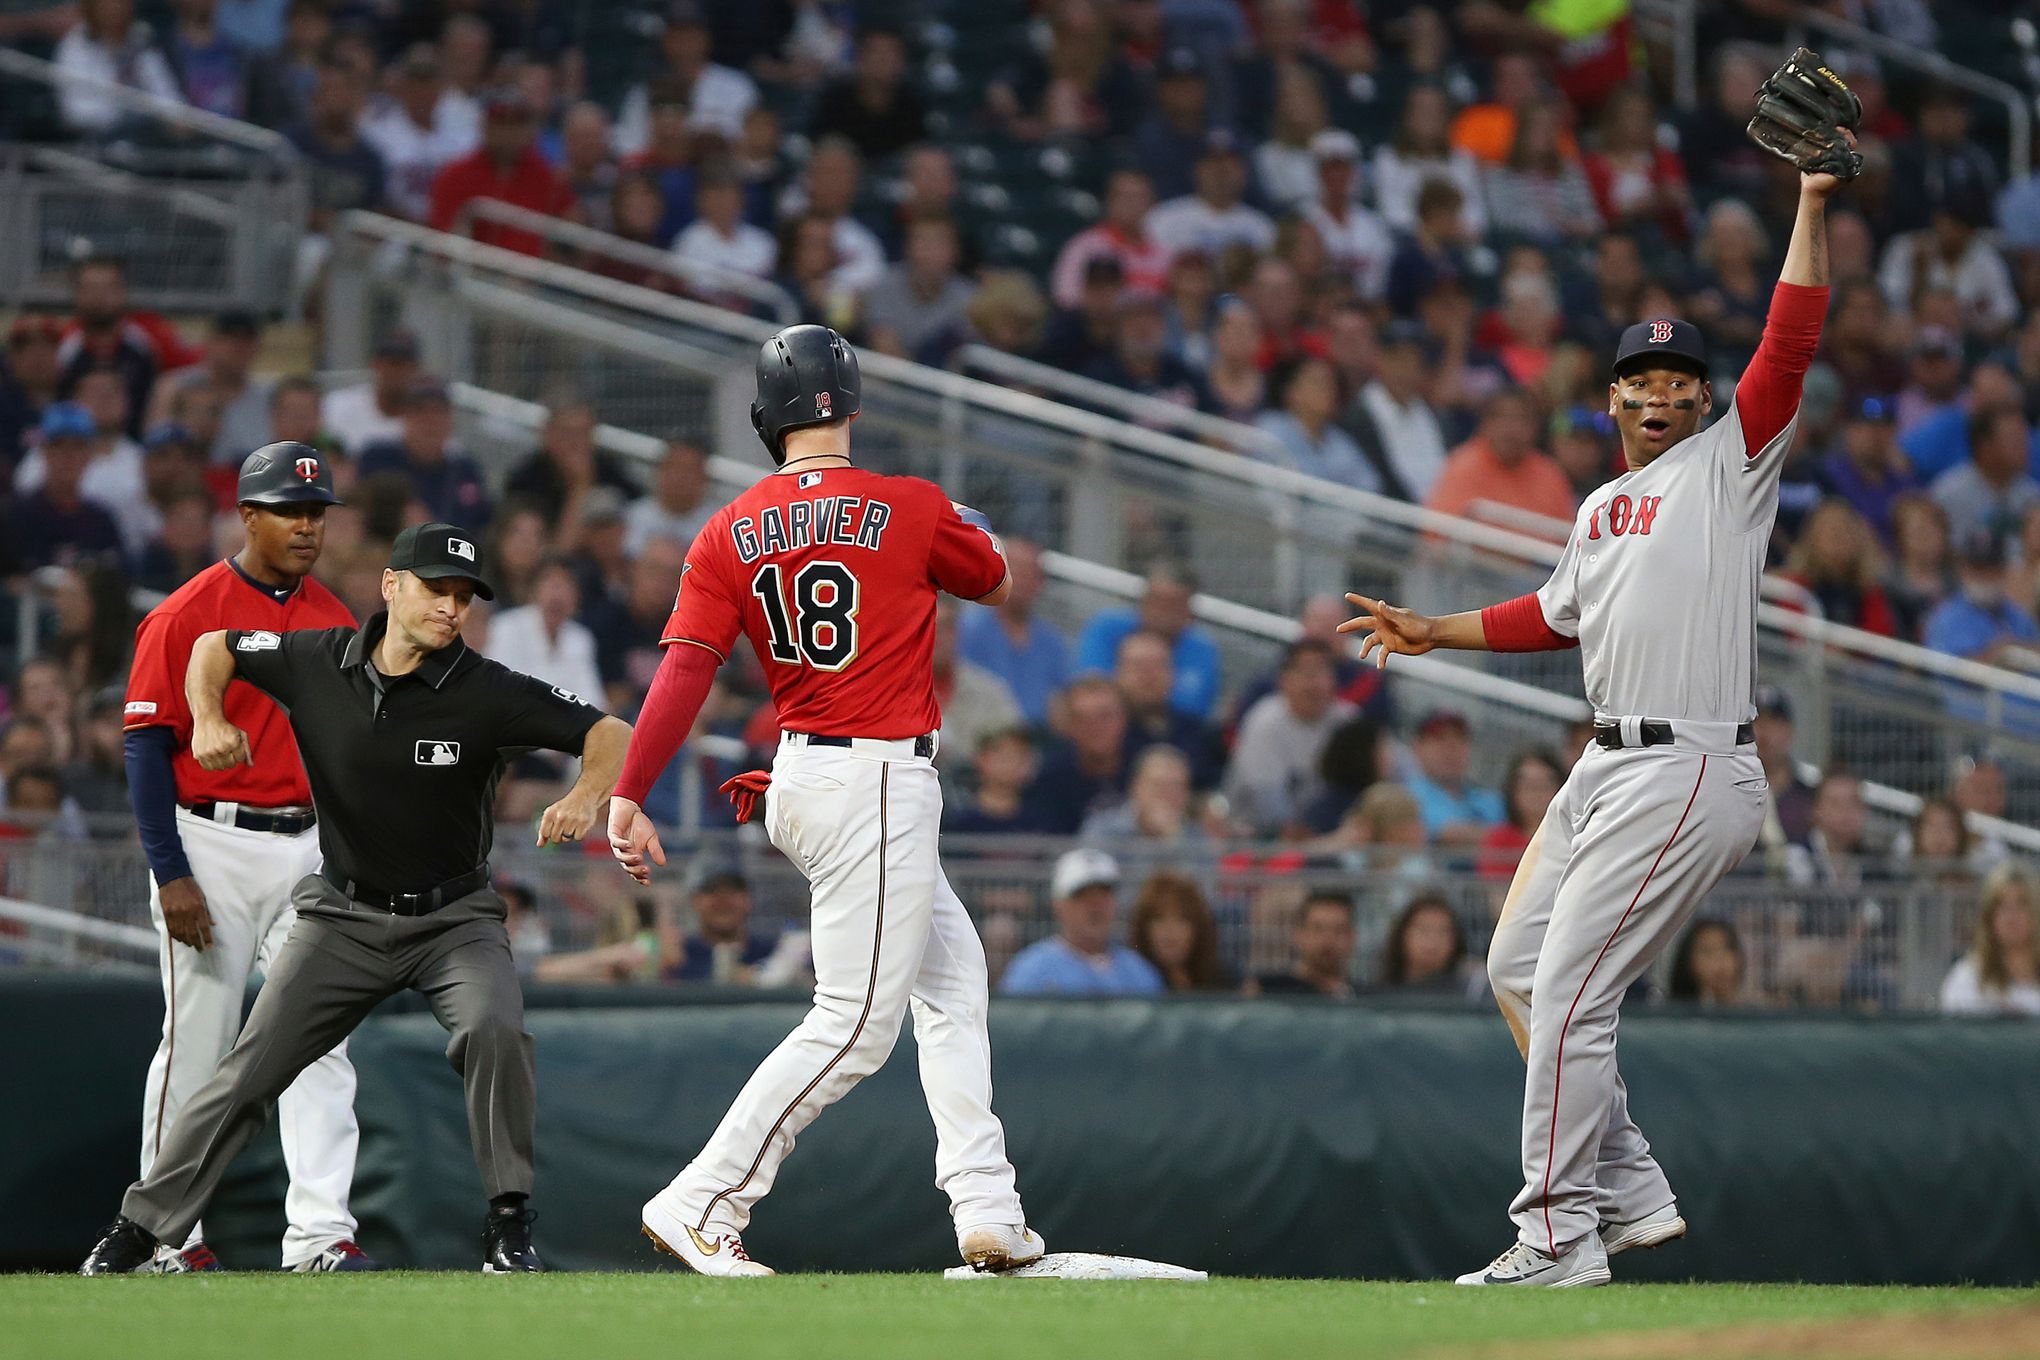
(215,743)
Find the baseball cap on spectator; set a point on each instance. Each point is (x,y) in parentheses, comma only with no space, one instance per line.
(506,104)
(166,434)
(398,344)
(427,391)
(1180,63)
(1581,419)
(1220,142)
(1083,868)
(238,323)
(1772,703)
(1875,411)
(708,873)
(1982,549)
(419,62)
(1334,144)
(1443,719)
(67,420)
(602,505)
(24,329)
(1937,342)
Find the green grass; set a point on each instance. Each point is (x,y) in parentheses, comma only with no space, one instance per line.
(399,1315)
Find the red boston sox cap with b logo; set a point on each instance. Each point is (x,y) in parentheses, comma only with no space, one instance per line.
(437,550)
(286,473)
(1662,342)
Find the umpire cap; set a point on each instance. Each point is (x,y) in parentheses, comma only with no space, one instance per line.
(807,375)
(1662,343)
(286,473)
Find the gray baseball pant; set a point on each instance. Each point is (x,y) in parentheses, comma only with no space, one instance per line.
(1630,845)
(340,961)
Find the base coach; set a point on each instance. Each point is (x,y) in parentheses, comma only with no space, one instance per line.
(404,732)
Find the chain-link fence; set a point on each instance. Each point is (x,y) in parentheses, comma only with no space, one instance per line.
(1884,940)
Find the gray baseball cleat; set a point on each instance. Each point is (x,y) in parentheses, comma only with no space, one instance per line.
(1586,1264)
(1653,1229)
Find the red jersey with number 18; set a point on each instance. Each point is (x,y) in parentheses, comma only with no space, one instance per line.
(832,575)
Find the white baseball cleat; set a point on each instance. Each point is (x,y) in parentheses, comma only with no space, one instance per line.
(1651,1230)
(706,1253)
(1000,1246)
(1585,1265)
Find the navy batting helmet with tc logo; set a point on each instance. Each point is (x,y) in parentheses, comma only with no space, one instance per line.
(807,375)
(286,473)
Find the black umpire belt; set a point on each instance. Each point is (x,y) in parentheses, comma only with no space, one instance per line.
(1655,733)
(411,903)
(924,746)
(256,819)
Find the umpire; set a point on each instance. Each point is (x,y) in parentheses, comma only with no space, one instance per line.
(404,732)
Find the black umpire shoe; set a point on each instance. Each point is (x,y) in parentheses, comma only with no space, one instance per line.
(506,1242)
(127,1247)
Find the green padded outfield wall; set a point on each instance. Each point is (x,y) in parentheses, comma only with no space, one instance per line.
(1240,1137)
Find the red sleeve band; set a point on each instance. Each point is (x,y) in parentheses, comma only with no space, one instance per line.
(1518,626)
(677,694)
(1768,392)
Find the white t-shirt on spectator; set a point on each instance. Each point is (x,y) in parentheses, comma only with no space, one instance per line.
(351,416)
(1979,280)
(1963,994)
(1411,436)
(644,519)
(1361,246)
(749,250)
(136,65)
(518,639)
(1189,223)
(413,156)
(718,103)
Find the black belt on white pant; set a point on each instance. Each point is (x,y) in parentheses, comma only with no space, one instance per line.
(281,822)
(1611,735)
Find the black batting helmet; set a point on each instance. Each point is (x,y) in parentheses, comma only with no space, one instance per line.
(286,473)
(807,375)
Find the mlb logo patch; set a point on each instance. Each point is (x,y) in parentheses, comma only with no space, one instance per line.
(460,547)
(308,469)
(438,753)
(258,642)
(566,694)
(824,405)
(810,480)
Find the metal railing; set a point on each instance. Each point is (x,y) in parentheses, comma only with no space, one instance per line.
(205,212)
(1886,943)
(575,240)
(1112,492)
(1934,66)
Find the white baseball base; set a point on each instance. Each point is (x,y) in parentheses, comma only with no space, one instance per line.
(1081,1265)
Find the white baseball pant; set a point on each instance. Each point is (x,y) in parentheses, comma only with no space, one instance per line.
(889,934)
(247,878)
(1633,841)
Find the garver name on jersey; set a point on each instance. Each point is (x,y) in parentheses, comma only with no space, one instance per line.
(848,520)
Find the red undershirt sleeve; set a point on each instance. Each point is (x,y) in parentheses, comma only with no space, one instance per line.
(1768,392)
(1518,626)
(678,691)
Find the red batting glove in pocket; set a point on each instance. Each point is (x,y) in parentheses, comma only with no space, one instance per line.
(745,790)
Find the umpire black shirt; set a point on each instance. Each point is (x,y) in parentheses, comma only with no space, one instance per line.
(403,769)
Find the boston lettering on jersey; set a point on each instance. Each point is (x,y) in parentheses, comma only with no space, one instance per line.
(1626,515)
(851,521)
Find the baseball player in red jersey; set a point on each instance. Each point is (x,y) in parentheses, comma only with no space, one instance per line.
(832,573)
(1658,589)
(226,847)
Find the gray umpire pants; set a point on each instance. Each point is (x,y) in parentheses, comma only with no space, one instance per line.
(343,958)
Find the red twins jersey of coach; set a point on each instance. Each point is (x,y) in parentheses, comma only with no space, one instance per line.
(224,596)
(833,574)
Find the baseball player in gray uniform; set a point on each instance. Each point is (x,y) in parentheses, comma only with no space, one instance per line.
(1658,589)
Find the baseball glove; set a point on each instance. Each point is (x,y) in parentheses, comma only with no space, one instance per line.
(1801,111)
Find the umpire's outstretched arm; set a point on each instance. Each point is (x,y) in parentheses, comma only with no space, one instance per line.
(571,818)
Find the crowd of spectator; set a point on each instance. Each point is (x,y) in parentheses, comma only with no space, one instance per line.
(1396,240)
